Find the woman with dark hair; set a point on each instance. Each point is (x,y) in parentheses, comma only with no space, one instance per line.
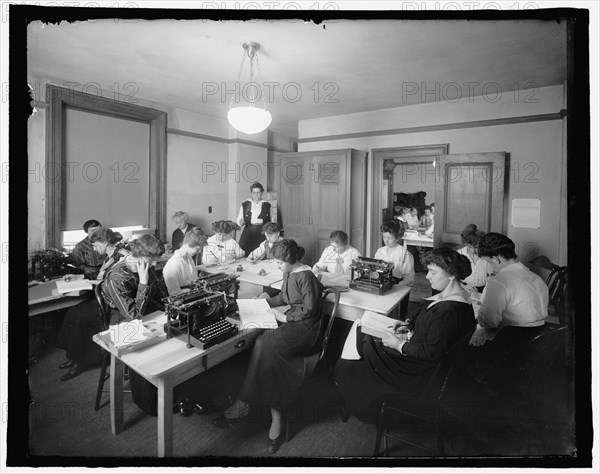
(180,270)
(254,212)
(130,284)
(277,359)
(404,363)
(272,234)
(222,246)
(395,252)
(84,256)
(480,268)
(514,306)
(83,321)
(337,257)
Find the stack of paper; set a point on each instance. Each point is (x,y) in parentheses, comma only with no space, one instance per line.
(256,313)
(73,285)
(377,324)
(130,333)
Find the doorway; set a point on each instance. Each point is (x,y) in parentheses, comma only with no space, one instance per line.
(417,163)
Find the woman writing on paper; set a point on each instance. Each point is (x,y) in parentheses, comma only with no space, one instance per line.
(272,234)
(222,247)
(82,321)
(405,362)
(180,270)
(338,256)
(277,358)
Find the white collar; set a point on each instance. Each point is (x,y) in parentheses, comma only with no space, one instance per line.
(461,297)
(301,268)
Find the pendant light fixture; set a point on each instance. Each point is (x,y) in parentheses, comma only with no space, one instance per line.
(246,115)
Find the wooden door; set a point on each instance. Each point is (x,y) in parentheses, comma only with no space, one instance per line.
(329,176)
(295,201)
(469,189)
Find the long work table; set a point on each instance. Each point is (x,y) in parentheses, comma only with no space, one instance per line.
(44,297)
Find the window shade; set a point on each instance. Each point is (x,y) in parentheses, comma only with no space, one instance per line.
(105,173)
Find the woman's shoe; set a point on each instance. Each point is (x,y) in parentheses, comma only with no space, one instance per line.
(343,412)
(66,364)
(234,414)
(275,444)
(74,371)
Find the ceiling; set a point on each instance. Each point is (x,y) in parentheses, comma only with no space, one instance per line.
(318,70)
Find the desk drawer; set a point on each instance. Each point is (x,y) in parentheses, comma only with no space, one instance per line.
(231,347)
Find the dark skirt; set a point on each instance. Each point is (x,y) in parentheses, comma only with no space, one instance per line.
(81,322)
(277,366)
(380,375)
(251,237)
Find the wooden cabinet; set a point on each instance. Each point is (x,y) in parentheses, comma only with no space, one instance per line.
(319,192)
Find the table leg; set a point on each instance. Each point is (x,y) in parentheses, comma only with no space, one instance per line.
(165,416)
(116,395)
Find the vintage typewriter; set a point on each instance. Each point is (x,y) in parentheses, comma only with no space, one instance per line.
(371,275)
(200,313)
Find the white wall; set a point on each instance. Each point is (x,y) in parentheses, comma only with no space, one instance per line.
(536,150)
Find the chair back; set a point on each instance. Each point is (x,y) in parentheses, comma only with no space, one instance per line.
(435,388)
(103,308)
(336,300)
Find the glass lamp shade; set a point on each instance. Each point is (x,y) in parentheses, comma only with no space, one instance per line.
(249,120)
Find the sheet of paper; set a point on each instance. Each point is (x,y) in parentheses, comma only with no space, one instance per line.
(73,285)
(526,213)
(131,333)
(256,313)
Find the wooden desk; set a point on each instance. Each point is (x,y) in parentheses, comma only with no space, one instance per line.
(354,303)
(250,281)
(43,298)
(165,365)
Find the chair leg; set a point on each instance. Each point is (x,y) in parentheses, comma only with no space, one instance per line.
(380,429)
(105,360)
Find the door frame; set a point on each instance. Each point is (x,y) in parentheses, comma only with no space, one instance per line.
(399,155)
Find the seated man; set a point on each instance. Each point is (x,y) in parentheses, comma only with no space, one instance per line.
(84,256)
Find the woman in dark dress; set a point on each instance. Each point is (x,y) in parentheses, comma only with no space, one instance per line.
(404,363)
(277,363)
(254,212)
(83,320)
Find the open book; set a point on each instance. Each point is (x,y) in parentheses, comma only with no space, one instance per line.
(378,325)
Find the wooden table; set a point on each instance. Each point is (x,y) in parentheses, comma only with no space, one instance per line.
(166,364)
(354,303)
(417,239)
(44,297)
(251,282)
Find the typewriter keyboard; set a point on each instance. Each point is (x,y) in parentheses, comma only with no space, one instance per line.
(214,332)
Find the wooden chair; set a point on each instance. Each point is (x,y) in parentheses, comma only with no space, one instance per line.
(312,361)
(557,282)
(104,311)
(428,408)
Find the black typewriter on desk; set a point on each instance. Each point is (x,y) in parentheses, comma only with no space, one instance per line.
(200,314)
(371,275)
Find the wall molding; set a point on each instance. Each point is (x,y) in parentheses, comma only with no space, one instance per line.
(227,141)
(445,126)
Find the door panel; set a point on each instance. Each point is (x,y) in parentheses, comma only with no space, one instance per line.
(470,189)
(329,188)
(294,202)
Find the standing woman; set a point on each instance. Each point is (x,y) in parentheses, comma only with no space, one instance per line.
(254,212)
(83,321)
(277,360)
(381,369)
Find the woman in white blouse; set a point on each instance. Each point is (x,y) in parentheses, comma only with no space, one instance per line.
(481,269)
(180,270)
(222,247)
(338,256)
(393,251)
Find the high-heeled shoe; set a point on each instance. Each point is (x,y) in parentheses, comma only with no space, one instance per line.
(275,444)
(67,364)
